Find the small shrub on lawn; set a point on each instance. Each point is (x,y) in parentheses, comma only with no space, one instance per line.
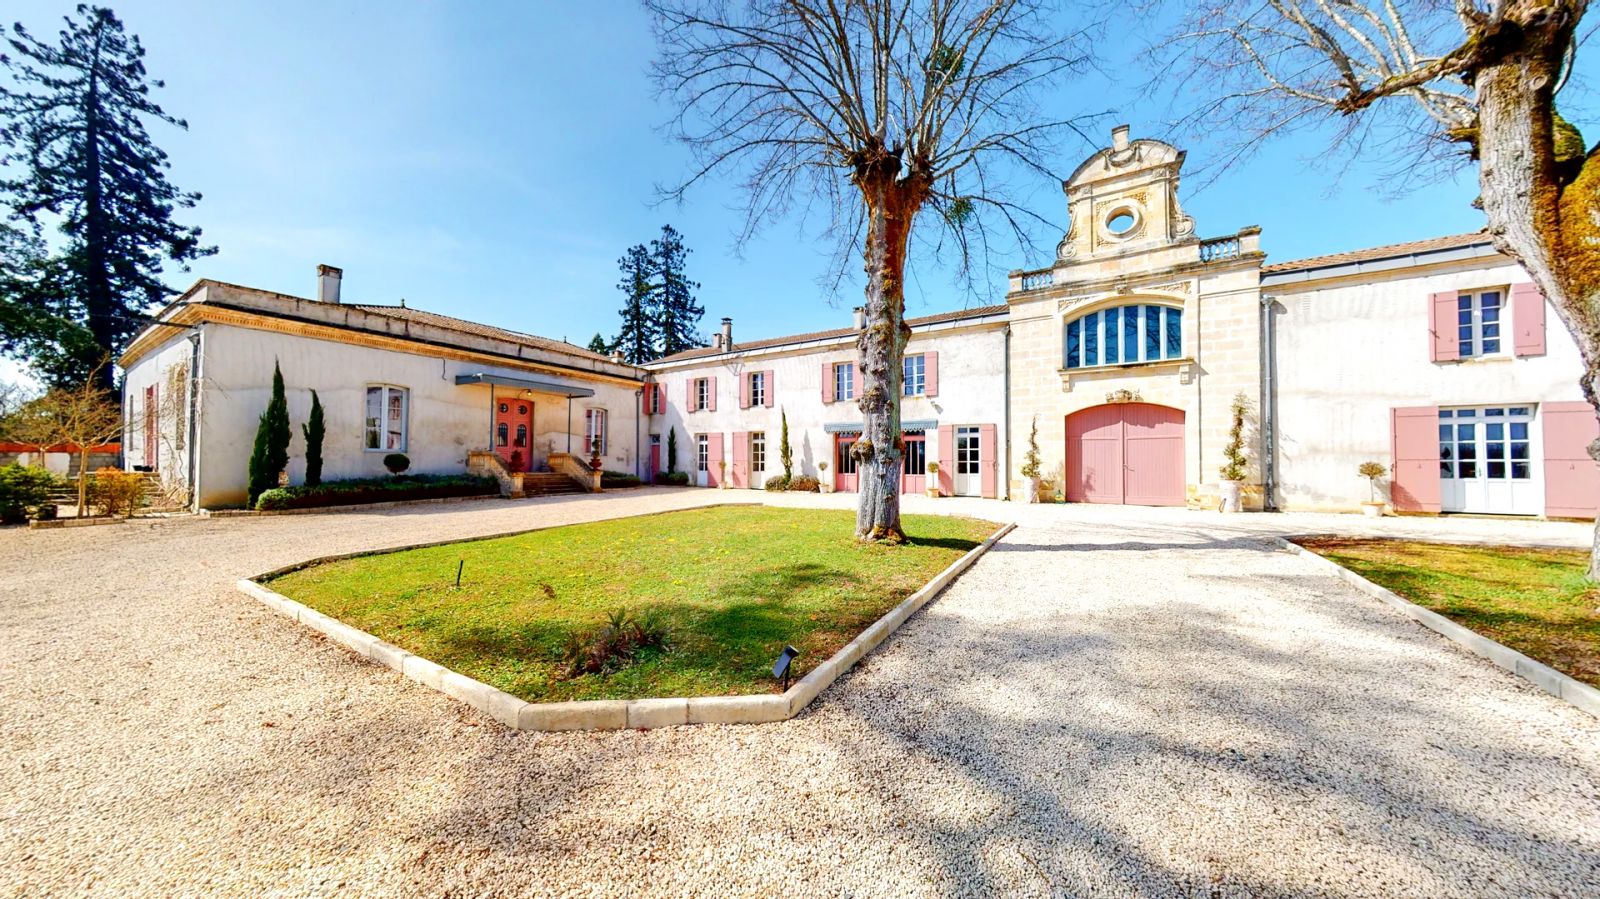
(673,478)
(619,479)
(24,491)
(375,490)
(778,482)
(805,483)
(614,644)
(116,492)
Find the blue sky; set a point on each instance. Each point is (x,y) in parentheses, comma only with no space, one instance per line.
(492,161)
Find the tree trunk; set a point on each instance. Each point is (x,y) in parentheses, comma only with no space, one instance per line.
(99,300)
(83,480)
(1552,228)
(891,204)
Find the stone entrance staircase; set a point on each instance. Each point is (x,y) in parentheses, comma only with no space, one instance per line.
(549,483)
(516,485)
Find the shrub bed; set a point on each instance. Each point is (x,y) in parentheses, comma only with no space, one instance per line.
(25,492)
(778,483)
(671,479)
(618,479)
(376,490)
(805,483)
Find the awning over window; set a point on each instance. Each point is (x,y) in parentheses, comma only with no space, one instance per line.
(930,424)
(524,384)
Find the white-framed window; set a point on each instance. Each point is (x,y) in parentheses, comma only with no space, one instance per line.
(1478,322)
(844,380)
(702,452)
(594,430)
(1124,335)
(1492,443)
(758,451)
(758,388)
(387,406)
(702,394)
(916,374)
(967,451)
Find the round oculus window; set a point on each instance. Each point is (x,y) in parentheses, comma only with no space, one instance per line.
(522,410)
(1122,222)
(504,407)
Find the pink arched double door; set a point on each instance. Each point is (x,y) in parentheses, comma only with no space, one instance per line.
(1127,453)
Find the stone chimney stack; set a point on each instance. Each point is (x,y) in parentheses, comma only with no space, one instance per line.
(328,279)
(1119,137)
(727,333)
(860,313)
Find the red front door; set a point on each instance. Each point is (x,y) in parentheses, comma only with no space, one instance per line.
(1126,453)
(513,432)
(914,465)
(655,458)
(844,464)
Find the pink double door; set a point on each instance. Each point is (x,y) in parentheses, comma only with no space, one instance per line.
(1126,453)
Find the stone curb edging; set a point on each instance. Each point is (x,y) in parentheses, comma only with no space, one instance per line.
(613,714)
(57,523)
(1561,686)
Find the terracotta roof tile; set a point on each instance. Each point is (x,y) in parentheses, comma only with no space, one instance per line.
(1384,252)
(423,317)
(771,342)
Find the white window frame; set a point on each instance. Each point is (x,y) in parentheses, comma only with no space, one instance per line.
(702,394)
(590,415)
(844,381)
(921,374)
(758,451)
(1471,346)
(379,428)
(702,452)
(1141,336)
(758,388)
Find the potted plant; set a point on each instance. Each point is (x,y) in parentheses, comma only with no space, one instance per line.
(722,474)
(1372,471)
(1233,471)
(823,484)
(933,480)
(1030,464)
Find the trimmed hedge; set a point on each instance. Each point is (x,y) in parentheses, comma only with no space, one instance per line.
(376,490)
(805,483)
(672,478)
(618,479)
(778,483)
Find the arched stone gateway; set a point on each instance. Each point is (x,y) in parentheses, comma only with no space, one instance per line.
(1125,453)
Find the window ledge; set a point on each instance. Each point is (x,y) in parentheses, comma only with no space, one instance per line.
(1495,359)
(1183,368)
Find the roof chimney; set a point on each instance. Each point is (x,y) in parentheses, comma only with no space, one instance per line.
(1119,137)
(328,279)
(861,318)
(727,333)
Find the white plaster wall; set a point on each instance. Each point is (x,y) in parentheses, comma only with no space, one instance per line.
(1350,351)
(172,447)
(445,421)
(971,392)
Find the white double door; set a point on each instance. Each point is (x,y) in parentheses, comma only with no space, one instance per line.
(1488,461)
(969,462)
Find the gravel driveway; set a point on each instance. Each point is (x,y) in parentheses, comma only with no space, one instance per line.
(1126,702)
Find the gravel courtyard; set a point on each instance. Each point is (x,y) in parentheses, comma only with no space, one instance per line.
(1113,702)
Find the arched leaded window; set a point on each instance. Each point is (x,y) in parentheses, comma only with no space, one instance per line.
(1123,335)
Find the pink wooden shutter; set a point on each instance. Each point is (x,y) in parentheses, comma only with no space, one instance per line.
(713,456)
(711,394)
(688,395)
(740,470)
(770,386)
(947,460)
(1444,340)
(1527,317)
(827,382)
(1571,478)
(1414,444)
(986,459)
(744,390)
(930,374)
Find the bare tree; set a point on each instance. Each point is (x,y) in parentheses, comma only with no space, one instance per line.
(84,416)
(879,109)
(1478,78)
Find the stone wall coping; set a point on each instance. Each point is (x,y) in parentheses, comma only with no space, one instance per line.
(1561,686)
(604,714)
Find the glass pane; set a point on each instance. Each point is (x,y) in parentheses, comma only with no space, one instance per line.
(1491,330)
(1465,433)
(1488,412)
(1493,430)
(1466,413)
(1464,319)
(1073,349)
(1519,450)
(1497,469)
(1491,346)
(1091,339)
(1174,333)
(1446,432)
(1447,451)
(1490,298)
(1152,332)
(1494,450)
(1464,348)
(1463,302)
(1520,410)
(1447,413)
(1467,450)
(1491,315)
(1111,335)
(1520,471)
(1446,470)
(1469,470)
(374,415)
(1130,334)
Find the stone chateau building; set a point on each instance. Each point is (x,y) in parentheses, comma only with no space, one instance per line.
(1435,358)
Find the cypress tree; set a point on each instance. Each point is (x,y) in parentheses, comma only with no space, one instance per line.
(638,338)
(784,453)
(672,450)
(72,126)
(270,455)
(314,429)
(673,304)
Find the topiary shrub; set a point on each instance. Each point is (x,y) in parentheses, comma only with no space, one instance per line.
(778,482)
(116,492)
(673,478)
(396,462)
(314,430)
(804,483)
(25,492)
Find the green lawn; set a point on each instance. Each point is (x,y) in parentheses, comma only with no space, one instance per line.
(733,584)
(1535,601)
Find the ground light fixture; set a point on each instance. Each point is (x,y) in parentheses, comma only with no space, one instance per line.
(781,668)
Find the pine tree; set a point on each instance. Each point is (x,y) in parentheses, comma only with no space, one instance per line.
(638,338)
(37,312)
(270,455)
(72,128)
(597,344)
(672,301)
(314,430)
